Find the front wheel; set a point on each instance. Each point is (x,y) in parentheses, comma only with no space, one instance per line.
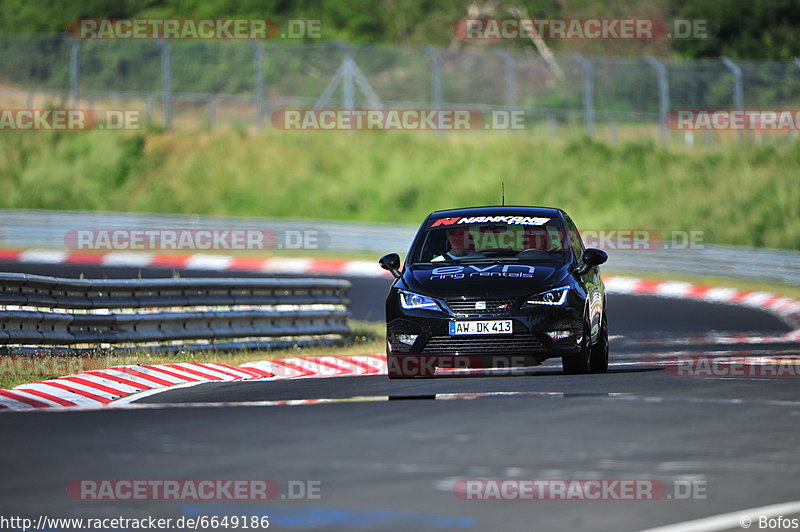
(578,364)
(598,361)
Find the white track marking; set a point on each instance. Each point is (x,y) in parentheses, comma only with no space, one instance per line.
(209,262)
(43,255)
(721,295)
(731,520)
(282,265)
(148,393)
(363,268)
(621,285)
(123,258)
(673,289)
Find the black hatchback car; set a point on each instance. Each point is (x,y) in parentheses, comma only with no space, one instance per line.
(496,287)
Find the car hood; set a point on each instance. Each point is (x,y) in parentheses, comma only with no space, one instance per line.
(483,279)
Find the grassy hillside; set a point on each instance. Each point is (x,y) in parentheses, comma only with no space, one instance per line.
(748,196)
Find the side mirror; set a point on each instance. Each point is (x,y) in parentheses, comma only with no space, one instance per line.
(391,262)
(594,257)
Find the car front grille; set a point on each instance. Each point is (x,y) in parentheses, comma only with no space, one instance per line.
(466,306)
(518,343)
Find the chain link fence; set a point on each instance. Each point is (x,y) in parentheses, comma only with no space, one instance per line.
(180,83)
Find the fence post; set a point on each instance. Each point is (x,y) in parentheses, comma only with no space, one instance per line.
(588,93)
(212,112)
(258,63)
(663,94)
(149,107)
(552,125)
(794,130)
(511,79)
(436,77)
(348,87)
(738,97)
(347,73)
(74,71)
(166,81)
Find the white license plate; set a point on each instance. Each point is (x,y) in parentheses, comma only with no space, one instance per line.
(481,327)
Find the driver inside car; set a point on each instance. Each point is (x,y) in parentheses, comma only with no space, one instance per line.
(461,247)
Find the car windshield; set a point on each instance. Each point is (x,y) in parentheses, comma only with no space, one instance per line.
(533,240)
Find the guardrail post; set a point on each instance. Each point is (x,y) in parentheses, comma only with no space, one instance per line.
(166,81)
(258,64)
(663,95)
(588,93)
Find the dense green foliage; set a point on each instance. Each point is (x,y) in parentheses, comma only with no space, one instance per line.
(747,29)
(755,29)
(736,196)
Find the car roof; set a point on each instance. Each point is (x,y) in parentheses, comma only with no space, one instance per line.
(500,210)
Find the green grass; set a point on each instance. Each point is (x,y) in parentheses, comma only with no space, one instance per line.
(747,195)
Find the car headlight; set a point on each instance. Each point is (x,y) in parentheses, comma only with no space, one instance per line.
(410,300)
(556,296)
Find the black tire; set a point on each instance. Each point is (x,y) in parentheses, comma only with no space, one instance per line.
(598,360)
(578,364)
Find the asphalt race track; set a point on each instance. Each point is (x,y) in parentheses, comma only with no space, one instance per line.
(389,455)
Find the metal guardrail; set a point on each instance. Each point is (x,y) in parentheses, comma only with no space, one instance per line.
(47,229)
(49,311)
(736,262)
